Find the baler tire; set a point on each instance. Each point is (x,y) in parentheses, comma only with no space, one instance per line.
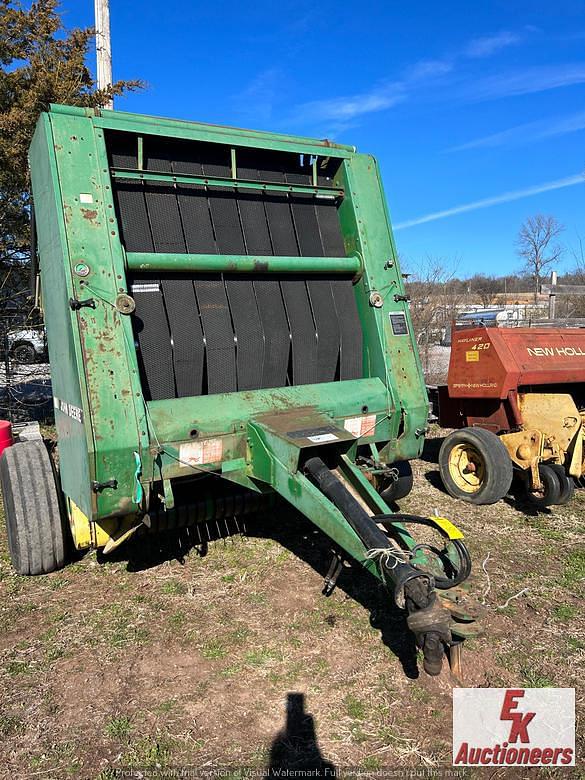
(495,472)
(395,489)
(34,522)
(552,488)
(567,483)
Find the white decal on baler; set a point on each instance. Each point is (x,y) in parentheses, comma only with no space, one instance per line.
(552,351)
(69,409)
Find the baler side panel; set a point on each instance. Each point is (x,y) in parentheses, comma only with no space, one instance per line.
(75,438)
(109,363)
(481,365)
(389,355)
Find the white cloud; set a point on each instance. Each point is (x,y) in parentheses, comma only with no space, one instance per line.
(429,69)
(524,82)
(490,44)
(527,133)
(343,109)
(505,197)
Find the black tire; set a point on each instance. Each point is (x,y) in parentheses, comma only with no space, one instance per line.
(567,483)
(395,489)
(551,488)
(491,470)
(23,353)
(36,537)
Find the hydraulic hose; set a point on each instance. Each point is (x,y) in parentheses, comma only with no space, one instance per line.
(413,589)
(402,574)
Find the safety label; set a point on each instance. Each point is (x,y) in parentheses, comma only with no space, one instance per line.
(360,426)
(471,356)
(195,453)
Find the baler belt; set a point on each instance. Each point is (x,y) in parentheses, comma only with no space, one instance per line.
(134,224)
(276,341)
(294,290)
(219,334)
(152,331)
(247,328)
(187,334)
(208,333)
(181,305)
(350,329)
(320,291)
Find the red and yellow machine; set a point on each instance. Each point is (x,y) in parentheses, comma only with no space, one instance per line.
(517,398)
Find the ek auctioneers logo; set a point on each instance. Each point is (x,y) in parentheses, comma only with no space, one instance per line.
(514,727)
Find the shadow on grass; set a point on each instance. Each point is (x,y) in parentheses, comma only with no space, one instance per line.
(305,541)
(296,746)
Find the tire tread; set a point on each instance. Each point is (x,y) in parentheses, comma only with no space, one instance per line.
(33,518)
(499,466)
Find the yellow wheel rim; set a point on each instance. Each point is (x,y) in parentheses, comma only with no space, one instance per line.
(467,468)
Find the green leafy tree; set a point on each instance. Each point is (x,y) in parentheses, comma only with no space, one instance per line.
(40,63)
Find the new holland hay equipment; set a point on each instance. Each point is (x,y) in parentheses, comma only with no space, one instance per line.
(226,323)
(516,395)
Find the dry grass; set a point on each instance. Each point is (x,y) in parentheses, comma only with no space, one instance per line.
(148,660)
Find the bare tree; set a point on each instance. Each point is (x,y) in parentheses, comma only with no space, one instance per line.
(435,292)
(485,287)
(537,246)
(574,305)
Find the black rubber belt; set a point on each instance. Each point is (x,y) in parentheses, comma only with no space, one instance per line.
(181,305)
(216,344)
(320,292)
(268,293)
(152,331)
(245,316)
(294,289)
(350,327)
(194,208)
(129,195)
(149,319)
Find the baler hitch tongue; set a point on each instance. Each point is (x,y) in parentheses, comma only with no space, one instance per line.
(413,590)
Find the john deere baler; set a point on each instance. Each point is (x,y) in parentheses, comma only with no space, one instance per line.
(227,325)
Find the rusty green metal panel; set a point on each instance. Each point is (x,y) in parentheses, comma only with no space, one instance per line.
(390,356)
(89,255)
(75,435)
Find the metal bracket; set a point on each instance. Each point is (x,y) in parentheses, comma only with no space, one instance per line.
(97,487)
(398,298)
(332,575)
(75,305)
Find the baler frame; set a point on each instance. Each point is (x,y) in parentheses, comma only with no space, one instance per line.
(323,445)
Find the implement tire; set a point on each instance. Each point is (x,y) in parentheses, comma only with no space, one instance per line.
(475,466)
(34,523)
(552,488)
(567,483)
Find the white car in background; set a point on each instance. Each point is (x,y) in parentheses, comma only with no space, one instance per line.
(27,345)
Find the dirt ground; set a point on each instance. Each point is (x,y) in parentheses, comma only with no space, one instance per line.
(165,657)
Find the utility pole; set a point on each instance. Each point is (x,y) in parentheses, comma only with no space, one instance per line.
(552,296)
(103,46)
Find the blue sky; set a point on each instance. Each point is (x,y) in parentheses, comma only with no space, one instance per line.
(461,102)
